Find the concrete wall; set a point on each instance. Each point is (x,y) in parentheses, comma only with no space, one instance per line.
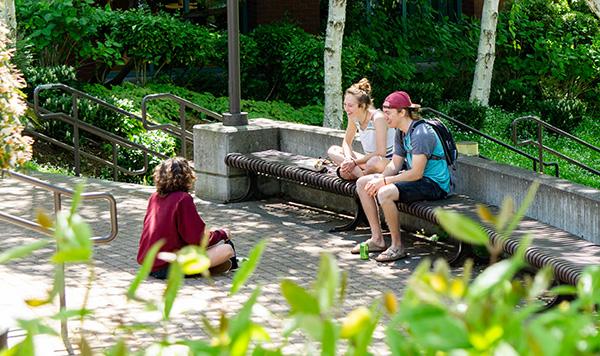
(569,206)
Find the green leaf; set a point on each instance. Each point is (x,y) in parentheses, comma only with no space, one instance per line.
(491,277)
(506,211)
(71,313)
(145,269)
(462,227)
(541,282)
(200,347)
(260,351)
(329,340)
(242,322)
(119,349)
(84,347)
(22,251)
(312,325)
(76,199)
(299,299)
(327,283)
(174,281)
(588,287)
(522,209)
(435,329)
(396,342)
(248,267)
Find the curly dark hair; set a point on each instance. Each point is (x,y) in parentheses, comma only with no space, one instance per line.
(174,175)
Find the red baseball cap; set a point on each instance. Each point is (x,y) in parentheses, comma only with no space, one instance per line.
(399,100)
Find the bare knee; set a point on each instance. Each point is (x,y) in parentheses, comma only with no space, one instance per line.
(387,194)
(334,151)
(362,182)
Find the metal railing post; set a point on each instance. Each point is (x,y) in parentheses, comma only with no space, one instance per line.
(75,115)
(182,126)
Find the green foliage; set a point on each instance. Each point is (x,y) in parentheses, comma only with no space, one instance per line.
(161,40)
(566,114)
(495,312)
(44,75)
(551,47)
(15,149)
(67,32)
(470,113)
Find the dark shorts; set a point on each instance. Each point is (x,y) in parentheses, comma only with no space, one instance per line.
(423,189)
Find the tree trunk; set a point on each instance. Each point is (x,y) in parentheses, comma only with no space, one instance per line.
(333,64)
(7,9)
(594,5)
(486,53)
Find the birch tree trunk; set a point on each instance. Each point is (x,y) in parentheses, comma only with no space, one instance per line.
(486,53)
(594,5)
(333,64)
(7,11)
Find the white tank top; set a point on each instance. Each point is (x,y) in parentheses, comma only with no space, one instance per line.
(368,138)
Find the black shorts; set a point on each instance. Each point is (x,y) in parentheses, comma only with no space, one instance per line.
(422,189)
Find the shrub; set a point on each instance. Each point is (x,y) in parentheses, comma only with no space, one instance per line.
(67,32)
(426,94)
(15,149)
(272,41)
(549,46)
(566,114)
(161,40)
(470,113)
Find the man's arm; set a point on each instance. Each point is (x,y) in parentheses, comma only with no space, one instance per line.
(393,166)
(415,173)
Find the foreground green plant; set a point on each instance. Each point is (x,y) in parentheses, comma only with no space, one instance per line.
(491,314)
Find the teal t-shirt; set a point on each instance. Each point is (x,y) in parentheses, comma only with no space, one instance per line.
(424,140)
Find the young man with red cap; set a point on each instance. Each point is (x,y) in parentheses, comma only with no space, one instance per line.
(426,178)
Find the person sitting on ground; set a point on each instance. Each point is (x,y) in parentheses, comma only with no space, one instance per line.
(375,135)
(172,216)
(426,178)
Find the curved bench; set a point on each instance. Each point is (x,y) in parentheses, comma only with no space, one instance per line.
(565,253)
(282,166)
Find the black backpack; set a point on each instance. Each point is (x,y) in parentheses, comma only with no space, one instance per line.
(448,143)
(450,150)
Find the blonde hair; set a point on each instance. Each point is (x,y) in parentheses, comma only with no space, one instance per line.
(362,92)
(174,175)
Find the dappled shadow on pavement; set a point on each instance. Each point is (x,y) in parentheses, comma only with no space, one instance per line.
(296,237)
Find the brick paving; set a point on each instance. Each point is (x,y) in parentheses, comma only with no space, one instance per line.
(296,237)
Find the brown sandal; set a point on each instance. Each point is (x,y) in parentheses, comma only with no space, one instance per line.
(391,254)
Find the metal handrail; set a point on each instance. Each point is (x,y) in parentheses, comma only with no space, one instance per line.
(535,160)
(183,104)
(541,147)
(116,141)
(58,192)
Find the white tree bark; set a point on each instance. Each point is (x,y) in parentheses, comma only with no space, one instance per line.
(333,64)
(7,12)
(486,53)
(594,5)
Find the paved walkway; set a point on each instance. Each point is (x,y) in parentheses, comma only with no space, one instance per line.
(296,236)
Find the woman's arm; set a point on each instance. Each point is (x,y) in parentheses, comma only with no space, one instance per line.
(381,128)
(348,139)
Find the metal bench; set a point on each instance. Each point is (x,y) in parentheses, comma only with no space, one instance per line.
(565,253)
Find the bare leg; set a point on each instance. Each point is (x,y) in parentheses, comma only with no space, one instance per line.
(336,155)
(375,165)
(388,195)
(219,254)
(370,208)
